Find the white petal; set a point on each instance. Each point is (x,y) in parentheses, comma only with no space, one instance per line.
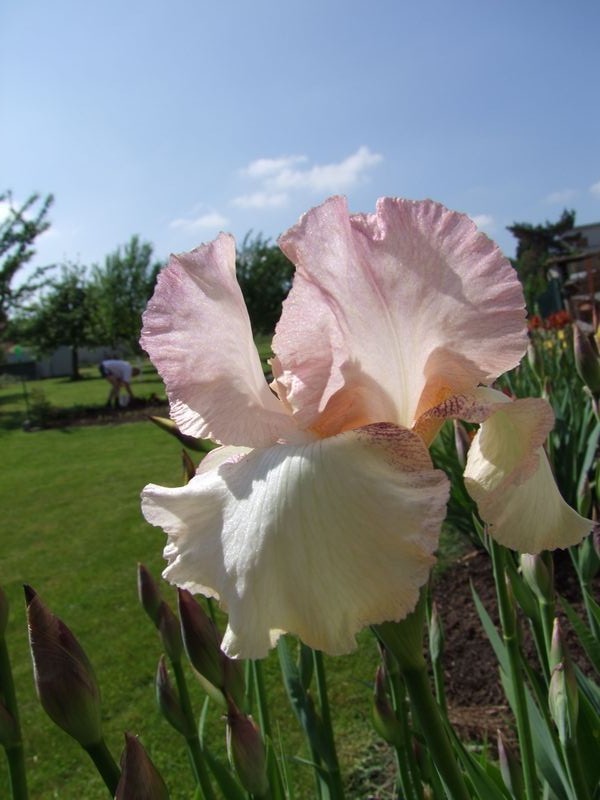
(509,477)
(318,540)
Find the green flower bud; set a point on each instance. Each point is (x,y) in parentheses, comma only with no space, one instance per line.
(168,701)
(587,557)
(64,678)
(587,359)
(436,634)
(538,574)
(165,424)
(247,752)
(563,697)
(510,768)
(140,780)
(385,721)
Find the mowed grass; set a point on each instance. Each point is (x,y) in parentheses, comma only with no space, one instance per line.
(71,527)
(18,398)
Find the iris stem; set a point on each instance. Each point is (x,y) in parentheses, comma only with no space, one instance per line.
(105,764)
(410,777)
(508,623)
(261,697)
(404,640)
(14,753)
(330,756)
(193,742)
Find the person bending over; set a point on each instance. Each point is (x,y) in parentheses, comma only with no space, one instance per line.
(118,374)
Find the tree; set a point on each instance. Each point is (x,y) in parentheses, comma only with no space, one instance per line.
(18,231)
(119,291)
(265,277)
(60,317)
(536,244)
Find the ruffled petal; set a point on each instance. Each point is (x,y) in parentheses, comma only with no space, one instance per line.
(198,335)
(509,477)
(390,313)
(317,540)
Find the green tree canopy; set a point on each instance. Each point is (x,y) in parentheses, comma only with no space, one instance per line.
(535,245)
(19,228)
(119,291)
(60,317)
(265,277)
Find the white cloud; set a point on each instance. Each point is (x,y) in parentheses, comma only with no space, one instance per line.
(561,196)
(278,176)
(266,167)
(261,200)
(483,220)
(212,220)
(595,189)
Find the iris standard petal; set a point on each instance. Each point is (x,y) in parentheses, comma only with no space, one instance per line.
(318,540)
(198,335)
(392,312)
(509,477)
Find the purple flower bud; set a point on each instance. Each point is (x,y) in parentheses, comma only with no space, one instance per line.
(168,702)
(202,640)
(148,593)
(64,678)
(170,632)
(247,752)
(140,780)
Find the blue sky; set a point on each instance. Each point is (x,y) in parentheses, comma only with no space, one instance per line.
(175,119)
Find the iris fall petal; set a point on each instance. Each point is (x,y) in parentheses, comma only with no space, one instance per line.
(317,540)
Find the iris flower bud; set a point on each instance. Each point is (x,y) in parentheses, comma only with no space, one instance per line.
(168,701)
(191,442)
(148,593)
(563,698)
(247,752)
(509,767)
(140,780)
(538,574)
(201,639)
(385,721)
(64,678)
(587,359)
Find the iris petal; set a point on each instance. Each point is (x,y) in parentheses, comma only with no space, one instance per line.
(317,540)
(198,335)
(509,477)
(392,312)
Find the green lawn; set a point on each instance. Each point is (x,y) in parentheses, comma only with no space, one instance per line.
(19,400)
(71,527)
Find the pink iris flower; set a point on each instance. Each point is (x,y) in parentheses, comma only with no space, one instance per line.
(320,513)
